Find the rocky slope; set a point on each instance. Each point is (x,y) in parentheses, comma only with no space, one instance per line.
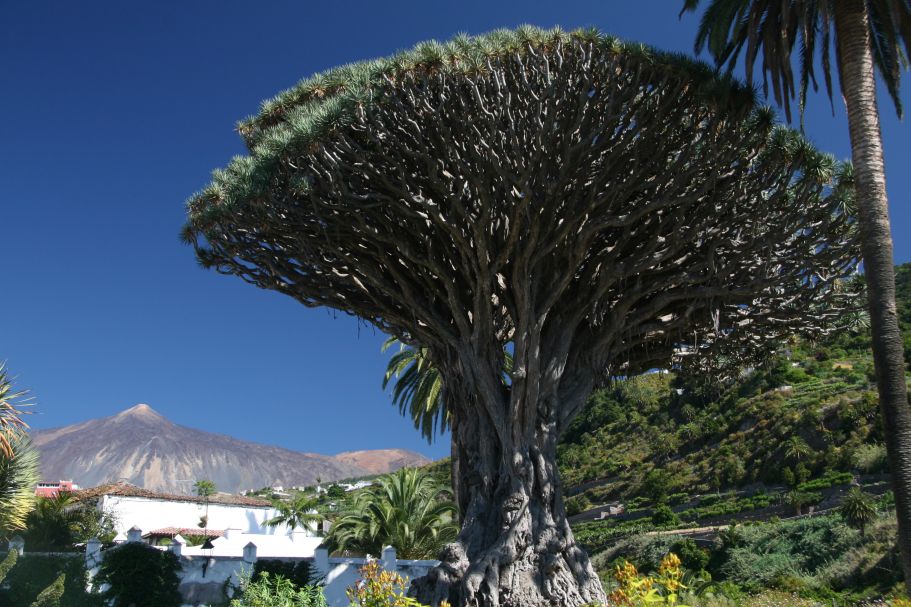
(141,447)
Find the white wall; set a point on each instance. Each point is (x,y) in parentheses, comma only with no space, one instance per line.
(150,514)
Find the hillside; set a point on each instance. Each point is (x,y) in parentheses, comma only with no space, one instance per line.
(660,463)
(810,410)
(142,447)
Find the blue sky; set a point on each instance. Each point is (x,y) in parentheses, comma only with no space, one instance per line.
(115,112)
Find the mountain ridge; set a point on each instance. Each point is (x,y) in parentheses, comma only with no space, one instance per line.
(142,447)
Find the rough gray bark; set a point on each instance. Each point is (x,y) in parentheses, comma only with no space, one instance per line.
(858,84)
(594,209)
(516,546)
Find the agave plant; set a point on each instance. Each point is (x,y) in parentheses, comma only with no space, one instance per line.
(12,404)
(18,476)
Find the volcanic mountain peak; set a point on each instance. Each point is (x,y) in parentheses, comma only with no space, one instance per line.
(143,447)
(140,411)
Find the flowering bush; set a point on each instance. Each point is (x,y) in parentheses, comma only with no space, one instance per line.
(638,590)
(380,588)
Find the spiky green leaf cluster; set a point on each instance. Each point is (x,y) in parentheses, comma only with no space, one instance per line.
(771,29)
(407,509)
(18,477)
(301,116)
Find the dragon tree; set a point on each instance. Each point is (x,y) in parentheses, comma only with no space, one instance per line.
(595,208)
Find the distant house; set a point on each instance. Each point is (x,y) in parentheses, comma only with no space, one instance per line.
(132,506)
(54,489)
(356,486)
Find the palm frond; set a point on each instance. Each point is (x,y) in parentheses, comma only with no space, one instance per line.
(18,477)
(12,408)
(771,28)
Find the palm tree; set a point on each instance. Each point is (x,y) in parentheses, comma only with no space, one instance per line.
(417,389)
(797,448)
(204,488)
(858,509)
(11,412)
(299,512)
(868,37)
(18,477)
(408,509)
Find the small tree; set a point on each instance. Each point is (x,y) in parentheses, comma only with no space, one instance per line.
(596,208)
(299,512)
(797,499)
(138,575)
(664,516)
(797,448)
(858,509)
(204,488)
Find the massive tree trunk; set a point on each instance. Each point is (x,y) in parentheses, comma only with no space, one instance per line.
(516,547)
(858,84)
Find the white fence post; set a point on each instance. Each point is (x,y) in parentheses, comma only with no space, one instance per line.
(389,560)
(177,544)
(92,553)
(134,534)
(321,561)
(250,552)
(17,544)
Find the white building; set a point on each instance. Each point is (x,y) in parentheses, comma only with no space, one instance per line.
(132,506)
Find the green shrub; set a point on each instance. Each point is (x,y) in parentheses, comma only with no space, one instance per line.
(829,479)
(300,573)
(664,516)
(34,573)
(762,553)
(576,504)
(692,556)
(276,591)
(870,458)
(139,575)
(50,596)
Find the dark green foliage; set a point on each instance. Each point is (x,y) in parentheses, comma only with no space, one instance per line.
(664,516)
(51,596)
(657,484)
(139,576)
(799,499)
(275,591)
(858,509)
(406,509)
(335,492)
(691,555)
(57,524)
(755,556)
(33,574)
(761,554)
(300,573)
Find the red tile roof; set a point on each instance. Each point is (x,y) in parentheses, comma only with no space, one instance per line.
(128,490)
(184,531)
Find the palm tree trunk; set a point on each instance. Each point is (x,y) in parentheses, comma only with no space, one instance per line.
(858,85)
